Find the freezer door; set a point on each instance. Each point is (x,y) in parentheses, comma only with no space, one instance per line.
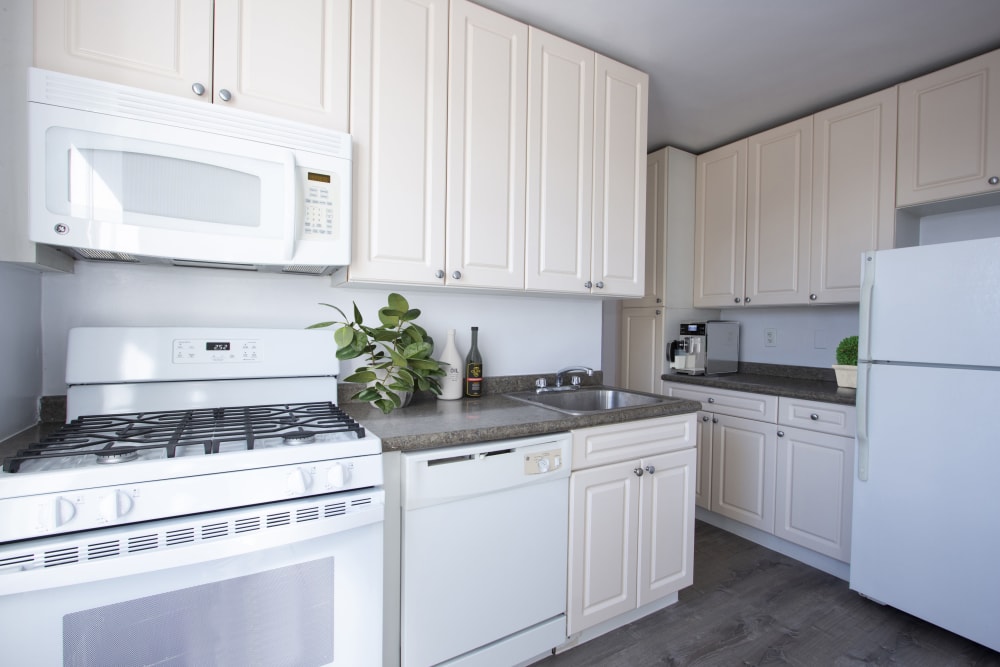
(925,530)
(936,304)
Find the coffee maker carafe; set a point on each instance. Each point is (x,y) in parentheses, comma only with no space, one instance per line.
(705,348)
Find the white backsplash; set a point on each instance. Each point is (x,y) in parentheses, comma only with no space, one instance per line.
(804,336)
(517,334)
(20,348)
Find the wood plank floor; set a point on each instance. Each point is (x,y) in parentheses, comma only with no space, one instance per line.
(752,606)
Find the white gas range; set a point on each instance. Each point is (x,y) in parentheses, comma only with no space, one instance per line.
(203,474)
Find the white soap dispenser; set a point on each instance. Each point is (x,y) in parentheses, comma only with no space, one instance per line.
(451,383)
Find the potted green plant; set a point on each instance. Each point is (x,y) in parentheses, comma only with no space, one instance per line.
(397,354)
(846,367)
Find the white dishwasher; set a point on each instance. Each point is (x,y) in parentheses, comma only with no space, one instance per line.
(484,552)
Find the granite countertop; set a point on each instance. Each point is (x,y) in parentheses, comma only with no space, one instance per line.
(428,423)
(813,384)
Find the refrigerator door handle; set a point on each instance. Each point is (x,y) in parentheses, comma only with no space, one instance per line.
(864,312)
(862,415)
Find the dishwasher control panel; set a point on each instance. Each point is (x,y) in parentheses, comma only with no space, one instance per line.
(538,463)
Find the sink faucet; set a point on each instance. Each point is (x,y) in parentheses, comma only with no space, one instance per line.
(571,369)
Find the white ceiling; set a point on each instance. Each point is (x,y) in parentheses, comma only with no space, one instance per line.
(720,70)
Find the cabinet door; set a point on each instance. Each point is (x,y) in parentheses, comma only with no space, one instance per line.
(949,132)
(720,226)
(703,480)
(487,143)
(814,491)
(620,109)
(656,231)
(743,468)
(854,171)
(603,532)
(642,351)
(285,59)
(666,532)
(560,164)
(162,46)
(399,62)
(779,210)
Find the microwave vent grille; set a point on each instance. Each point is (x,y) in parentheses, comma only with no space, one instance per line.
(307,270)
(104,255)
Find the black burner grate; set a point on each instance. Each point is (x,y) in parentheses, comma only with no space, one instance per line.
(113,438)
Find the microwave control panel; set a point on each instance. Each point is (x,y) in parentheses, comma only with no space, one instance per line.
(320,208)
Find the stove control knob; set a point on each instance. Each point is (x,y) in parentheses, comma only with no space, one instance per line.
(298,481)
(65,511)
(114,506)
(338,475)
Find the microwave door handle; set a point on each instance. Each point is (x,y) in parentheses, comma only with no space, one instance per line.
(292,207)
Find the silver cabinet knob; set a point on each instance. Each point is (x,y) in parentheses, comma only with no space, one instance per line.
(659,312)
(813,297)
(715,420)
(994,180)
(746,300)
(650,469)
(736,300)
(225,95)
(638,472)
(659,300)
(705,418)
(439,274)
(711,400)
(588,284)
(814,416)
(198,89)
(457,275)
(781,434)
(599,285)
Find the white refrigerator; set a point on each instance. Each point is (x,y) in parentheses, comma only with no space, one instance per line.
(926,522)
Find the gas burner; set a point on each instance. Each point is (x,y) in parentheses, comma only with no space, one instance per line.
(299,437)
(117,455)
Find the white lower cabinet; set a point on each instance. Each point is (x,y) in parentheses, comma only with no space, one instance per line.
(781,465)
(631,529)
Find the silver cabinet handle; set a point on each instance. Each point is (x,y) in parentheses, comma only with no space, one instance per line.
(225,95)
(588,284)
(439,274)
(813,297)
(781,434)
(650,469)
(736,300)
(457,275)
(599,285)
(198,89)
(994,180)
(638,472)
(814,416)
(711,400)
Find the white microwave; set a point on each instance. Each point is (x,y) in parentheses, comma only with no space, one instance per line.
(128,175)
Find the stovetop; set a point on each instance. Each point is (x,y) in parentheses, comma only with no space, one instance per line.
(119,439)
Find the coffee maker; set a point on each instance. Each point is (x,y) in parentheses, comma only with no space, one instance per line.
(706,348)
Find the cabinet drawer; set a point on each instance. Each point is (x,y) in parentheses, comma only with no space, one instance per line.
(726,402)
(631,440)
(817,416)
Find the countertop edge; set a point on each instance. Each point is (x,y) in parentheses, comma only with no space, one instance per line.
(771,385)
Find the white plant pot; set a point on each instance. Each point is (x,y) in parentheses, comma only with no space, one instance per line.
(847,376)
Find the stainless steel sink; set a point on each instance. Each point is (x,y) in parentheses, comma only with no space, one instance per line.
(588,400)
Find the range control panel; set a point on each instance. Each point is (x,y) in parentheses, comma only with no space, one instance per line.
(538,463)
(215,351)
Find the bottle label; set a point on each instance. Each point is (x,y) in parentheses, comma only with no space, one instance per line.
(473,379)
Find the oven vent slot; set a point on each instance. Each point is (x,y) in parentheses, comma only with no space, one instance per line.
(179,536)
(20,559)
(210,530)
(361,501)
(278,519)
(248,524)
(103,549)
(62,556)
(143,542)
(335,509)
(307,514)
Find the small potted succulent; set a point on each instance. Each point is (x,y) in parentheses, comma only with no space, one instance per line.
(397,351)
(846,367)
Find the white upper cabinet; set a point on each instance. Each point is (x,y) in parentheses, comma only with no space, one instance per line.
(949,132)
(620,120)
(399,62)
(285,59)
(854,176)
(487,144)
(720,226)
(560,163)
(779,209)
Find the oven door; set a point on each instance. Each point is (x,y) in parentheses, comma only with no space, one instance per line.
(290,583)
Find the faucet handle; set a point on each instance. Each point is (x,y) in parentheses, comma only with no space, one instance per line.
(574,380)
(541,383)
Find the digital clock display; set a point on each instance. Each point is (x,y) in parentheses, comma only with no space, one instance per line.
(217,347)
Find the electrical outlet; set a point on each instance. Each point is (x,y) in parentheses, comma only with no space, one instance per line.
(770,337)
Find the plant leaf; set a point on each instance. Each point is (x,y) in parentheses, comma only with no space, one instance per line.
(417,350)
(398,302)
(385,405)
(320,325)
(398,359)
(343,336)
(410,315)
(357,315)
(366,394)
(362,377)
(389,317)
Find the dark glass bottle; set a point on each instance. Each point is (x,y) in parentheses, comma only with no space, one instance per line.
(474,368)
